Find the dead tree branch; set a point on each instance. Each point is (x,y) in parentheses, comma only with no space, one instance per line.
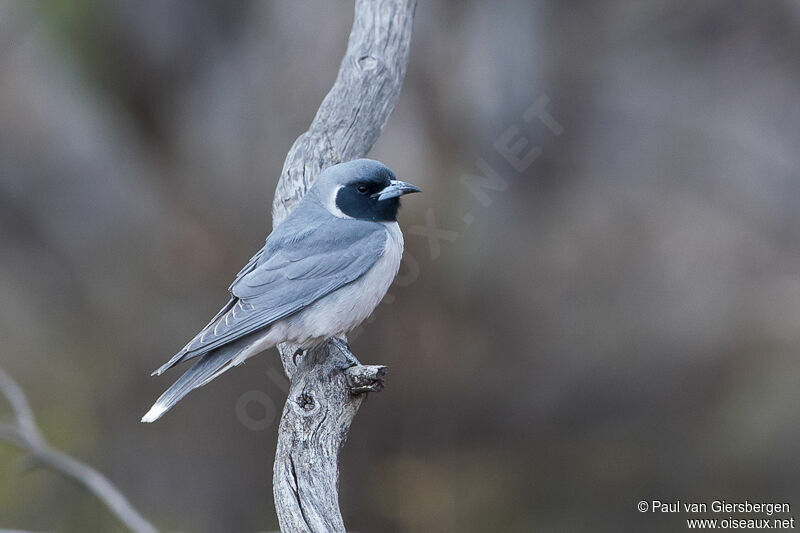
(328,383)
(25,435)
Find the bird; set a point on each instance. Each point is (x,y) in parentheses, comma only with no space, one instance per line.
(321,272)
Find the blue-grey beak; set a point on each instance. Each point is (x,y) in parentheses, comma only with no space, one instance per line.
(394,189)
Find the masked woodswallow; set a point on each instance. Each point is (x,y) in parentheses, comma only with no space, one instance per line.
(322,271)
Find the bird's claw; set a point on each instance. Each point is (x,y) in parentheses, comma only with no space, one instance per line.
(297,352)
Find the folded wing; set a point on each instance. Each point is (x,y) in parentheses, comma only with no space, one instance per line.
(297,266)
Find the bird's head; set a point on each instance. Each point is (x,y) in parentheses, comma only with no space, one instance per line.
(364,189)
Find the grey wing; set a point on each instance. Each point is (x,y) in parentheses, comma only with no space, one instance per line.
(293,270)
(181,355)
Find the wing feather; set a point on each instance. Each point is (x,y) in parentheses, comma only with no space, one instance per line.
(295,268)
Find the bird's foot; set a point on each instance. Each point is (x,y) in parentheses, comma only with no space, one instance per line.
(297,353)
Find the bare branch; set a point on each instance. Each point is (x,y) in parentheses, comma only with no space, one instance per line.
(26,436)
(353,113)
(328,383)
(19,403)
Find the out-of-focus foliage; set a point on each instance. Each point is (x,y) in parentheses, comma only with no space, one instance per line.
(622,322)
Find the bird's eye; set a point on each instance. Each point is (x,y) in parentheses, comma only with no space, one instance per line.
(362,189)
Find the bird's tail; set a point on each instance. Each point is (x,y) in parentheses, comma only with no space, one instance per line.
(206,369)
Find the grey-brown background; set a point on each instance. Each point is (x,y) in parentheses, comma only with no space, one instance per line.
(622,322)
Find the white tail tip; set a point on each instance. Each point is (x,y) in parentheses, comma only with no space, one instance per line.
(154,413)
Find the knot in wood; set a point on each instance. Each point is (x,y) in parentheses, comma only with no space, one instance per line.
(367,62)
(305,401)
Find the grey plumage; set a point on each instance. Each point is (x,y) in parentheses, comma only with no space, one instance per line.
(293,289)
(296,267)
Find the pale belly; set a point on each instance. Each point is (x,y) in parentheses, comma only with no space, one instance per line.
(344,309)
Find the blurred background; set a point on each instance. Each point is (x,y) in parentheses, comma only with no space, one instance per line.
(617,319)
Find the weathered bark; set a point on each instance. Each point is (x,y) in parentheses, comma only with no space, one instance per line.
(328,383)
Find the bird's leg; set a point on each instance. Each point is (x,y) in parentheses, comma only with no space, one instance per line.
(351,358)
(345,351)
